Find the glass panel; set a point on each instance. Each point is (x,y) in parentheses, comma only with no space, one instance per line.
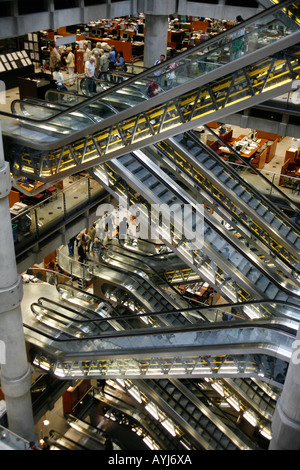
(11,441)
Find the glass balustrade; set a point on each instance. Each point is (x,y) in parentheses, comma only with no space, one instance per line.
(11,441)
(40,219)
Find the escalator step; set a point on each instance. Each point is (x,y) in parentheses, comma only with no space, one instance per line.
(158,189)
(292,237)
(224,177)
(232,183)
(245,267)
(271,291)
(254,203)
(276,223)
(202,158)
(236,259)
(154,185)
(261,210)
(197,415)
(281,296)
(284,230)
(142,173)
(246,196)
(183,401)
(254,276)
(125,159)
(164,383)
(218,170)
(149,181)
(194,150)
(269,217)
(209,164)
(133,165)
(239,190)
(264,283)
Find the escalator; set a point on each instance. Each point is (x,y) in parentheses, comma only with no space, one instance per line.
(241,393)
(223,261)
(119,282)
(250,211)
(235,348)
(106,130)
(208,438)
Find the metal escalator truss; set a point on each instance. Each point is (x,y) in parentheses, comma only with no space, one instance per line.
(198,95)
(193,108)
(222,349)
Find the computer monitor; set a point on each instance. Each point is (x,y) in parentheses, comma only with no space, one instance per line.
(141,28)
(125,36)
(176,26)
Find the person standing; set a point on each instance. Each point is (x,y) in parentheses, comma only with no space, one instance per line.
(159,73)
(90,73)
(96,54)
(82,258)
(54,58)
(103,65)
(171,75)
(237,43)
(70,61)
(153,88)
(112,58)
(92,234)
(120,64)
(87,52)
(71,246)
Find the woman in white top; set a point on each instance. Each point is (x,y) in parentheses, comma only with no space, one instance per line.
(59,79)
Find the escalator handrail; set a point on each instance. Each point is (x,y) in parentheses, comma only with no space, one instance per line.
(273,324)
(191,309)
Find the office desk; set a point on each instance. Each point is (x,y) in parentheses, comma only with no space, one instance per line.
(251,152)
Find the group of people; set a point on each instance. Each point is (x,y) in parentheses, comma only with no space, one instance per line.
(55,67)
(154,85)
(88,243)
(98,63)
